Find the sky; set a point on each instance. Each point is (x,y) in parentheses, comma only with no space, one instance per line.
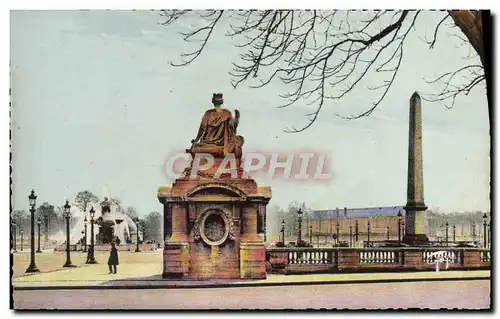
(96,106)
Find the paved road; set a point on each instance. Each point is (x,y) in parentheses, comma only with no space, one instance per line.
(453,294)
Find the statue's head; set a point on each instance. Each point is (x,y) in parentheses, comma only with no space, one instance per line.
(217,99)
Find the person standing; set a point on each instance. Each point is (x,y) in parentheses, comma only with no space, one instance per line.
(90,253)
(113,259)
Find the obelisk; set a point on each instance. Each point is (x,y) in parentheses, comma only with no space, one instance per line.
(415,219)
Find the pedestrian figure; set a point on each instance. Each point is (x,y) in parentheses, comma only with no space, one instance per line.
(113,259)
(90,253)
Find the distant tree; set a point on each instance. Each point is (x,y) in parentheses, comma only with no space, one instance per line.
(273,220)
(21,218)
(84,199)
(143,229)
(131,212)
(291,218)
(154,224)
(61,218)
(324,54)
(48,215)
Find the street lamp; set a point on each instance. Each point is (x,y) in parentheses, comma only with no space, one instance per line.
(454,233)
(400,216)
(474,231)
(67,215)
(22,236)
(369,233)
(350,235)
(39,222)
(337,232)
(356,231)
(299,239)
(136,220)
(283,232)
(32,200)
(91,259)
(317,237)
(446,232)
(85,221)
(387,232)
(310,233)
(485,217)
(14,230)
(489,233)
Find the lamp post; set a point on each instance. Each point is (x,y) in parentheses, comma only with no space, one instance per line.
(39,222)
(67,214)
(446,232)
(474,231)
(387,232)
(32,200)
(85,221)
(83,238)
(299,237)
(399,227)
(46,223)
(283,232)
(337,232)
(489,234)
(91,259)
(22,237)
(14,230)
(356,231)
(317,237)
(485,217)
(350,235)
(136,220)
(369,233)
(454,233)
(310,233)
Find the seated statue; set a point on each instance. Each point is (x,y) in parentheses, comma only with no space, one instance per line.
(217,132)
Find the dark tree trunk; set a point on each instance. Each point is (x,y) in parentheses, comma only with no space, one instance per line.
(471,24)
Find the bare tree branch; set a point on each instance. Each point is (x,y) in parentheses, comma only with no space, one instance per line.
(324,55)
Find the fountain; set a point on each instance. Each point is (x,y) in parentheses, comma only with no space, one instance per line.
(110,223)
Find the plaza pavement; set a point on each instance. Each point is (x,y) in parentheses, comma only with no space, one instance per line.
(455,295)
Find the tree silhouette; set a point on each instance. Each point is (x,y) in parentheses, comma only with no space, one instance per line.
(131,212)
(84,198)
(324,55)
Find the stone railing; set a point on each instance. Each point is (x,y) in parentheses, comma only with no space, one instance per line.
(343,259)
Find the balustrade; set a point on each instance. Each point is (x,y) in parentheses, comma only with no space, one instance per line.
(372,257)
(308,260)
(485,256)
(450,256)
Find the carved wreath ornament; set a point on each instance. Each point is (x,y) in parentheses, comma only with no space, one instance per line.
(214,227)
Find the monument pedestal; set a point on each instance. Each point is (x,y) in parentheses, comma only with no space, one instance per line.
(176,260)
(416,239)
(252,261)
(214,228)
(212,218)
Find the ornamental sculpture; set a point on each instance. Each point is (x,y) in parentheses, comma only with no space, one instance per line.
(217,130)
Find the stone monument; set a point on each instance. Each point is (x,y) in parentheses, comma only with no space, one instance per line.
(214,223)
(415,219)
